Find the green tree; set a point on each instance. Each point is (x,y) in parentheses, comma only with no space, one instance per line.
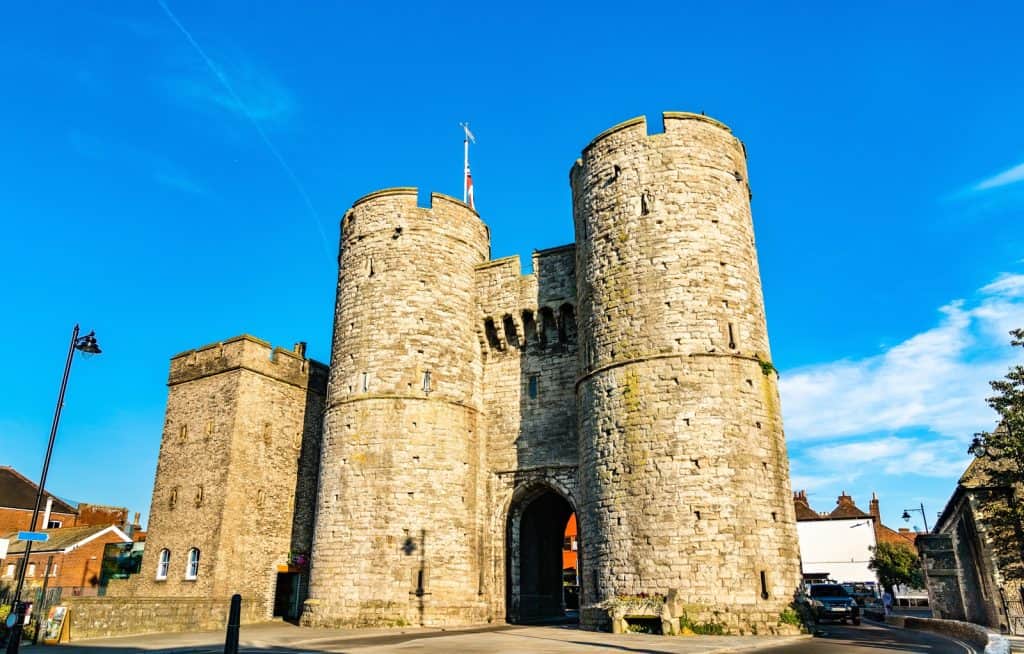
(896,564)
(1006,443)
(998,474)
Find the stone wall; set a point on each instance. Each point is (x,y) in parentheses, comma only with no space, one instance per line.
(528,332)
(242,419)
(99,617)
(397,538)
(684,481)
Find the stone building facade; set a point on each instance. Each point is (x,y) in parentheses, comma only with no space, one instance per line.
(470,410)
(973,559)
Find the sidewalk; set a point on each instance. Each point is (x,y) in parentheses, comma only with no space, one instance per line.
(484,638)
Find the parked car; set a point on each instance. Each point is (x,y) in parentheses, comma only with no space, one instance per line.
(832,602)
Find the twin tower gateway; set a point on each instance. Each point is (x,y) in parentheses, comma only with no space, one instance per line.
(427,476)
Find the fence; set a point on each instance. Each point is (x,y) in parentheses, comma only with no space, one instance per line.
(40,604)
(1013,607)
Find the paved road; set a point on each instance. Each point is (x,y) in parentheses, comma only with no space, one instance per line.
(271,639)
(870,638)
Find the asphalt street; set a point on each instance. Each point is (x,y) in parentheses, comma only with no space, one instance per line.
(273,639)
(842,639)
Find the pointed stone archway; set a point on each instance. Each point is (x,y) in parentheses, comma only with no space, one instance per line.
(537,519)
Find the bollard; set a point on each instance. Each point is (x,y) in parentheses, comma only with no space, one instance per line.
(234,618)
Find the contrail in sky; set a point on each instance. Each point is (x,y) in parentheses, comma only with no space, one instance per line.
(255,123)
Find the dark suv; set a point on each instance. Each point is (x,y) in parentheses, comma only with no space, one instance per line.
(832,602)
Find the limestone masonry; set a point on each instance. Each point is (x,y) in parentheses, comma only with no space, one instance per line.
(469,410)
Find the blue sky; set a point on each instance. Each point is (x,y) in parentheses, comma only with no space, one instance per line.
(170,190)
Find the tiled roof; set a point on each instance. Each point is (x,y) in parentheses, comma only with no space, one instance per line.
(19,492)
(60,539)
(845,508)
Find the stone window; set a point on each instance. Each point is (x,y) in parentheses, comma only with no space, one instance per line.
(199,496)
(426,381)
(31,570)
(10,570)
(192,569)
(261,496)
(531,386)
(511,334)
(732,337)
(173,499)
(566,324)
(163,564)
(183,433)
(209,428)
(53,570)
(366,382)
(492,334)
(529,328)
(548,326)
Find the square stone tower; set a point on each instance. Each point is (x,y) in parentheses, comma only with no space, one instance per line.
(235,484)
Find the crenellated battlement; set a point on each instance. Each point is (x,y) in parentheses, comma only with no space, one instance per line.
(633,133)
(386,215)
(535,310)
(247,352)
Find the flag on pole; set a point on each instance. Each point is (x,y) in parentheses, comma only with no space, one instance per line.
(467,183)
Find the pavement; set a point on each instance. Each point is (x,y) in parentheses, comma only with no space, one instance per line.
(282,638)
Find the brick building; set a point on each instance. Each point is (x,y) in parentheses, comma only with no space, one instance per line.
(838,544)
(18,498)
(70,558)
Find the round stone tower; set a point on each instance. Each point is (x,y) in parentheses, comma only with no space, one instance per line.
(684,480)
(396,525)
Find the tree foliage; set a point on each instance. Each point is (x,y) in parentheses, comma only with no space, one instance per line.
(1001,470)
(1006,443)
(896,564)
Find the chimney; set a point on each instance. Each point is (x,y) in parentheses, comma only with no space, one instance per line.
(46,513)
(300,349)
(844,500)
(873,508)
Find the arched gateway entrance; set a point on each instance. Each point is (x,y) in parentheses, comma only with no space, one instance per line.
(534,557)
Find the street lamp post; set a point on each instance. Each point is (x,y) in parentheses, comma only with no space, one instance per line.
(906,516)
(86,344)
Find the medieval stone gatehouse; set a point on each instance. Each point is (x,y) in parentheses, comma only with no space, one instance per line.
(469,410)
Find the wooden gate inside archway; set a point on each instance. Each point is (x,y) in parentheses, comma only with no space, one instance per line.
(537,585)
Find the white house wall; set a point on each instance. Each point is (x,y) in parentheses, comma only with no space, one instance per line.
(842,548)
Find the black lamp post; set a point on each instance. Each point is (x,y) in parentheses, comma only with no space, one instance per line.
(906,516)
(85,344)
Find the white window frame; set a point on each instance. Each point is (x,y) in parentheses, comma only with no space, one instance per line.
(10,570)
(31,570)
(163,564)
(192,564)
(54,524)
(53,570)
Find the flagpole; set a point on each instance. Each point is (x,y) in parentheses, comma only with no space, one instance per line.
(465,165)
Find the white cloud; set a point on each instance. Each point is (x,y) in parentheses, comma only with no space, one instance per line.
(936,380)
(1011,176)
(1008,284)
(895,456)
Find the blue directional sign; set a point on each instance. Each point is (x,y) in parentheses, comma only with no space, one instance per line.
(36,536)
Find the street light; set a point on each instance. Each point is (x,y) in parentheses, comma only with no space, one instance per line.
(86,345)
(906,516)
